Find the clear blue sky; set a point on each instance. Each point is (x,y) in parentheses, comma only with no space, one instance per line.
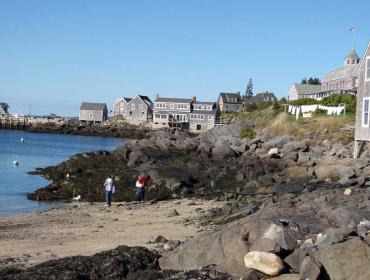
(55,54)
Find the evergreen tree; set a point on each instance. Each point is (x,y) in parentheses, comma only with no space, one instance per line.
(249,90)
(304,81)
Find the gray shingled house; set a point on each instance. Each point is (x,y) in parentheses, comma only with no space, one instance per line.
(93,112)
(230,102)
(119,108)
(362,127)
(262,97)
(299,91)
(139,109)
(170,111)
(203,116)
(3,109)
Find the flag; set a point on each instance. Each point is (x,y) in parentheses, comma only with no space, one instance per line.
(352,29)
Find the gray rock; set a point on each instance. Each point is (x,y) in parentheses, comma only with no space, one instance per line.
(334,235)
(349,260)
(274,239)
(310,269)
(173,213)
(334,172)
(295,259)
(302,146)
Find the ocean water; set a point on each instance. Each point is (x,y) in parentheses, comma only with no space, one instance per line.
(37,150)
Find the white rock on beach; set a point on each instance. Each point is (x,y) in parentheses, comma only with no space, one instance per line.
(347,192)
(267,263)
(273,151)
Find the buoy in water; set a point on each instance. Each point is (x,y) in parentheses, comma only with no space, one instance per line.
(22,139)
(15,163)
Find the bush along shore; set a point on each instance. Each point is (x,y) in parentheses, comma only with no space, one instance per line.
(121,130)
(297,205)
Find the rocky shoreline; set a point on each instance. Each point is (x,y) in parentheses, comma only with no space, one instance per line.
(71,127)
(297,205)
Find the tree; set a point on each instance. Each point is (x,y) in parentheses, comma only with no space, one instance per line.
(249,89)
(311,81)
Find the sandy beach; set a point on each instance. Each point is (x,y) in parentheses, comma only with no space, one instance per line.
(85,229)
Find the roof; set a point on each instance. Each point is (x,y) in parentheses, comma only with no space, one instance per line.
(261,96)
(146,100)
(307,89)
(226,97)
(343,72)
(352,55)
(127,99)
(93,106)
(177,100)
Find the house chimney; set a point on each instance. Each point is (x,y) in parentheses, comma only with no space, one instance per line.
(194,99)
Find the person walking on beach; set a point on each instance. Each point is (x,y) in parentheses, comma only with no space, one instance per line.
(141,184)
(108,184)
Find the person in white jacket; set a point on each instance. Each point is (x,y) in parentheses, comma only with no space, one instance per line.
(108,184)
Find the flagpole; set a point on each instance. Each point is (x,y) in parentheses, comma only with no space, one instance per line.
(353,39)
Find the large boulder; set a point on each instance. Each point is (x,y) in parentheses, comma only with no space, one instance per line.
(296,146)
(334,172)
(349,260)
(267,263)
(275,239)
(310,269)
(225,249)
(222,151)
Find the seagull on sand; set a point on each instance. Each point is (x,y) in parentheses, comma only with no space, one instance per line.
(77,198)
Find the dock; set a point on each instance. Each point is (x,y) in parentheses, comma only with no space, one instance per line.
(11,122)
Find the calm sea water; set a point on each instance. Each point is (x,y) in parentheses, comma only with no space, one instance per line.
(38,150)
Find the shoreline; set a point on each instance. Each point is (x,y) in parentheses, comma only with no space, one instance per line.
(88,228)
(127,131)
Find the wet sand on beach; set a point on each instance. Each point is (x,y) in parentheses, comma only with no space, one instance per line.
(85,229)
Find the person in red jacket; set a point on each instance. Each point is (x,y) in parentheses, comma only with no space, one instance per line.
(141,184)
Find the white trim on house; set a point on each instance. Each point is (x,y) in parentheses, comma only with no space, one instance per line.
(367,69)
(363,112)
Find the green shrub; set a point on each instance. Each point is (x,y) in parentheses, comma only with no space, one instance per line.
(248,133)
(304,101)
(336,99)
(264,105)
(250,107)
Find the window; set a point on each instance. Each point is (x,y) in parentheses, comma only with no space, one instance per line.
(133,106)
(91,115)
(368,68)
(141,106)
(365,112)
(130,114)
(172,106)
(142,114)
(160,105)
(199,127)
(157,116)
(209,118)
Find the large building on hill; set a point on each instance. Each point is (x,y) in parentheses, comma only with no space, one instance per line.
(341,80)
(362,126)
